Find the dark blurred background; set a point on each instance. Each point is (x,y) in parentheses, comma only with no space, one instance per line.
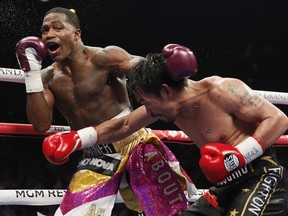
(242,39)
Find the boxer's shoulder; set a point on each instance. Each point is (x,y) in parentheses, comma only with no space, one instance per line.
(207,83)
(49,73)
(108,57)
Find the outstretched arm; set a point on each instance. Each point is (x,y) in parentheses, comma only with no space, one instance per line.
(116,129)
(58,147)
(116,58)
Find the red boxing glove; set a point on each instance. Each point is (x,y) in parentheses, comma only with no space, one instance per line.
(218,160)
(57,147)
(29,52)
(180,63)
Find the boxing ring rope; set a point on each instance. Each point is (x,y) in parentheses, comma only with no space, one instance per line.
(54,196)
(173,136)
(11,75)
(44,197)
(17,76)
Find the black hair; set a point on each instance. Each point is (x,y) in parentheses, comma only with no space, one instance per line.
(149,74)
(72,18)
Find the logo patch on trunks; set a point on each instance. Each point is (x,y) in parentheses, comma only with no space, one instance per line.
(99,149)
(93,211)
(103,164)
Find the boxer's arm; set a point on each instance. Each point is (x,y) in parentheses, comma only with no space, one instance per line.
(242,103)
(108,131)
(29,52)
(245,104)
(116,129)
(57,147)
(119,59)
(39,109)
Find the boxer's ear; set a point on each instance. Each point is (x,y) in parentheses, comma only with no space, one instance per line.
(166,91)
(77,34)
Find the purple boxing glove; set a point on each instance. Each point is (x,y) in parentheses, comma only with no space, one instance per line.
(29,52)
(180,63)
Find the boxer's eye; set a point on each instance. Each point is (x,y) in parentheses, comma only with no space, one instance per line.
(52,46)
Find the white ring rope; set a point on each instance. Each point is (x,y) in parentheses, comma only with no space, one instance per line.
(274,97)
(11,75)
(39,197)
(17,76)
(42,197)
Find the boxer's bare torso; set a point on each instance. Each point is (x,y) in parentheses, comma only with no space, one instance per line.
(89,92)
(214,109)
(204,114)
(87,84)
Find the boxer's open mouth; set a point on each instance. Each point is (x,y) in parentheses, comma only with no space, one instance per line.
(52,46)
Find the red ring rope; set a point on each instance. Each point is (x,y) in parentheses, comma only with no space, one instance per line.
(14,130)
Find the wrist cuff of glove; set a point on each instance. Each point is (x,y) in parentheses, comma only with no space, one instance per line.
(88,137)
(33,81)
(251,148)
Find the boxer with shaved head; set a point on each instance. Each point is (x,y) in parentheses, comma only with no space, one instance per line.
(88,86)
